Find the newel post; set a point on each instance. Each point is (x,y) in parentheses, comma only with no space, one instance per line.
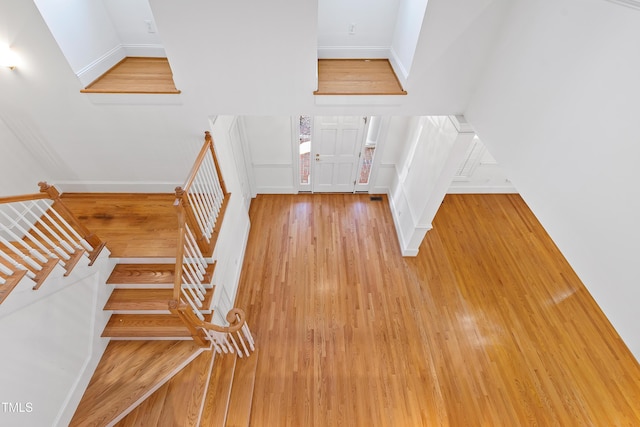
(198,336)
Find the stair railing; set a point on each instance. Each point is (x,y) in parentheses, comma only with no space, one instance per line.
(200,205)
(235,338)
(37,232)
(204,198)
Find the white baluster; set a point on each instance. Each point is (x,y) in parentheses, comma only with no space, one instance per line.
(61,253)
(55,235)
(28,235)
(196,249)
(81,242)
(196,209)
(69,243)
(16,264)
(27,259)
(22,243)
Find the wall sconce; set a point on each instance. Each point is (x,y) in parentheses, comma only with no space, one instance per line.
(8,58)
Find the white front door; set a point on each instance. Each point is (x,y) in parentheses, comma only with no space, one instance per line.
(337,143)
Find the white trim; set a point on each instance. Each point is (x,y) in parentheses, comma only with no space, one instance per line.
(360,100)
(246,150)
(155,387)
(134,98)
(101,65)
(276,190)
(398,67)
(145,50)
(461,124)
(90,72)
(482,189)
(353,52)
(117,186)
(633,4)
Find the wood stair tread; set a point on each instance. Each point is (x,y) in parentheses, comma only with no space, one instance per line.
(128,372)
(142,274)
(145,325)
(178,401)
(241,399)
(145,299)
(217,399)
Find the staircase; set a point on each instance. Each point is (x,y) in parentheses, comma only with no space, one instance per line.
(140,303)
(152,372)
(166,363)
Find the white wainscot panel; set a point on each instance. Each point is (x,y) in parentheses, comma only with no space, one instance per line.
(273,178)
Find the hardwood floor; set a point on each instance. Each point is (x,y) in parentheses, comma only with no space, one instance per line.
(357,77)
(487,326)
(136,75)
(133,225)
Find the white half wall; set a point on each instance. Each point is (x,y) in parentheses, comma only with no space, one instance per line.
(234,233)
(53,343)
(558,108)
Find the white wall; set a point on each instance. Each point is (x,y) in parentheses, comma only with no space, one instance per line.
(86,146)
(270,142)
(129,21)
(480,173)
(85,34)
(53,343)
(558,109)
(374,28)
(22,173)
(405,36)
(275,73)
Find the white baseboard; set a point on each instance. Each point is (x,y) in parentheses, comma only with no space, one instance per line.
(347,52)
(481,189)
(276,190)
(95,69)
(116,186)
(145,50)
(398,67)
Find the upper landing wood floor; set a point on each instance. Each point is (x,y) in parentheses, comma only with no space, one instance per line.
(335,77)
(136,75)
(357,77)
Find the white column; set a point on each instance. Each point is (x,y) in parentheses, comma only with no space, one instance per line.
(418,190)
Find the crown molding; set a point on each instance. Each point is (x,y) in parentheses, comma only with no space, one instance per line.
(634,4)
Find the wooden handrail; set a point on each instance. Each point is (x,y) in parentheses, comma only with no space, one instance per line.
(42,235)
(234,322)
(209,139)
(91,238)
(23,198)
(179,252)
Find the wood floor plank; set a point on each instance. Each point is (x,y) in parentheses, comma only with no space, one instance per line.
(151,274)
(145,325)
(127,371)
(145,299)
(241,399)
(176,403)
(357,77)
(136,75)
(132,225)
(488,325)
(219,391)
